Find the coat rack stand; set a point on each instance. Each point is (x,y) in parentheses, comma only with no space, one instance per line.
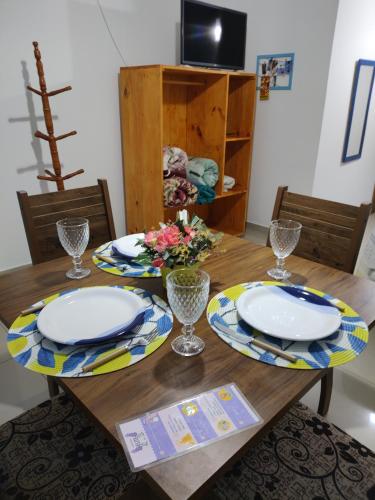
(51,138)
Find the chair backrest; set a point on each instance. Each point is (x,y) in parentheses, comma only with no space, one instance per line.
(40,213)
(331,232)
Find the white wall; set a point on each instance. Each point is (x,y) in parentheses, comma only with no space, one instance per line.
(350,182)
(288,124)
(77,50)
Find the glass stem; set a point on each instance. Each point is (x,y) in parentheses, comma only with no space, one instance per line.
(280,263)
(188,331)
(77,261)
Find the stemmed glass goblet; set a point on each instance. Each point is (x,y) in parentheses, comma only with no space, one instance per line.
(187,291)
(284,236)
(74,236)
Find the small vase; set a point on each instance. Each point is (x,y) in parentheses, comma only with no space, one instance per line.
(166,270)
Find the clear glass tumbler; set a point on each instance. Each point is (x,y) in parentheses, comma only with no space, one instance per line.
(188,291)
(74,236)
(284,236)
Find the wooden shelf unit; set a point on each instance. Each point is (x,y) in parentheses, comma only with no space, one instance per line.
(207,113)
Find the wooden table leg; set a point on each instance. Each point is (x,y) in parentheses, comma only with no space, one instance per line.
(325,393)
(53,388)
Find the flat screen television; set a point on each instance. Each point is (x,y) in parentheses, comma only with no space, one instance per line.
(212,36)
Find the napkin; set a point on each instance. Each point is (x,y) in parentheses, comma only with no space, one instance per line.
(126,246)
(117,331)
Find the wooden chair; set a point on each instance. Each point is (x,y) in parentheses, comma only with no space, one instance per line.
(40,213)
(331,232)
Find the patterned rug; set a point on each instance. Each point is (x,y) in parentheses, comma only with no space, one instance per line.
(303,457)
(53,452)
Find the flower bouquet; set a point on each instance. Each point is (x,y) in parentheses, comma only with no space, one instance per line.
(178,244)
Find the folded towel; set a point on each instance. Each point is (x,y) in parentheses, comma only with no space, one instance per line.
(229,182)
(178,191)
(174,162)
(205,194)
(202,171)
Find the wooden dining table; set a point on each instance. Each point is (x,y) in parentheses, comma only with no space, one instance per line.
(165,377)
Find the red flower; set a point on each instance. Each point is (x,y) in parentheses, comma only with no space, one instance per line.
(158,262)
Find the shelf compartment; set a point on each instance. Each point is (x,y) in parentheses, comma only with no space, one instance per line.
(241,105)
(227,213)
(237,162)
(194,115)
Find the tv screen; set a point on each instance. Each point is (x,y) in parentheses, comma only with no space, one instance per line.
(212,36)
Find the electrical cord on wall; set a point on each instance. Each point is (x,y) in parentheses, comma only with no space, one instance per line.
(109,32)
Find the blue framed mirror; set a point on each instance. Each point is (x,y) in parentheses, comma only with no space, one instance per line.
(358,111)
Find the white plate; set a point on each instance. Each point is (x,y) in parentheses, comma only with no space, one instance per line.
(90,315)
(276,312)
(126,246)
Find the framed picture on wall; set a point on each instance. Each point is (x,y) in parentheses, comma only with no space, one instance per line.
(279,67)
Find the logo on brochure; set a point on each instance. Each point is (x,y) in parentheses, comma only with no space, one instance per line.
(189,409)
(138,441)
(224,425)
(224,394)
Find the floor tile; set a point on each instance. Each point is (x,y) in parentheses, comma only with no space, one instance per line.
(20,390)
(352,406)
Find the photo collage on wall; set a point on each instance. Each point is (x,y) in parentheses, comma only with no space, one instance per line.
(274,72)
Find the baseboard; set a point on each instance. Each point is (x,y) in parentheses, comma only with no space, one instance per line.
(257,227)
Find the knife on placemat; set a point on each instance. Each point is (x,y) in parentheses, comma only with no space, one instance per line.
(237,337)
(111,261)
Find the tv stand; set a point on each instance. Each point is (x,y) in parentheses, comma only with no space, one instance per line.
(206,112)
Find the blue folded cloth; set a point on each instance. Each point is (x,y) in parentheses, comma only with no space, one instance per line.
(205,195)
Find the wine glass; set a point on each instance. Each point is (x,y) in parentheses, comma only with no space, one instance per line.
(74,236)
(187,291)
(284,236)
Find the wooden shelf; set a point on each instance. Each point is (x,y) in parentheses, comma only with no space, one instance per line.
(208,114)
(232,192)
(184,82)
(231,138)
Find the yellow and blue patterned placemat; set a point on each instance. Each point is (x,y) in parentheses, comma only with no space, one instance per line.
(339,348)
(123,267)
(35,352)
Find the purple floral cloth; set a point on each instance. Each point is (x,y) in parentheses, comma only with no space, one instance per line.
(178,192)
(174,162)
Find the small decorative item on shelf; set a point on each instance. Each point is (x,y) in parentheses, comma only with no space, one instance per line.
(178,245)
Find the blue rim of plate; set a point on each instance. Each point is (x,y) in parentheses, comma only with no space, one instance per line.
(133,269)
(29,348)
(341,347)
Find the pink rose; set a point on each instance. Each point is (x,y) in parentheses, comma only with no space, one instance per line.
(170,236)
(150,239)
(158,262)
(161,243)
(191,232)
